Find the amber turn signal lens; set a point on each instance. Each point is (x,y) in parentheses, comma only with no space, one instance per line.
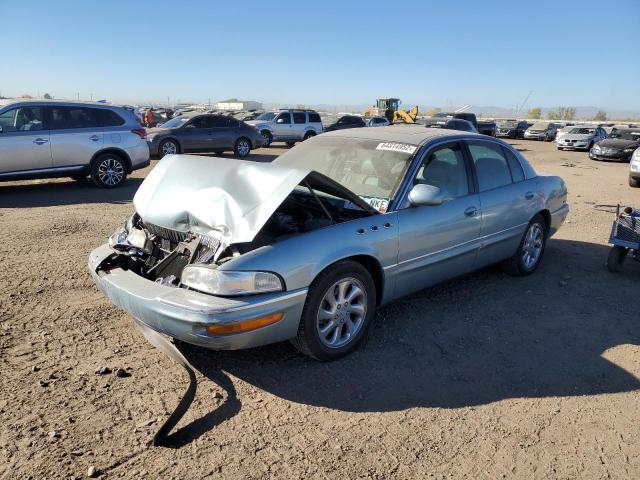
(246,326)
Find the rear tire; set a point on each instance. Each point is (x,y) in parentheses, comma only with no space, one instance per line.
(108,171)
(242,148)
(168,147)
(616,258)
(531,249)
(339,309)
(308,135)
(290,144)
(634,182)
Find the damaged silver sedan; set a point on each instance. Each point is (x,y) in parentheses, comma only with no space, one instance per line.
(230,254)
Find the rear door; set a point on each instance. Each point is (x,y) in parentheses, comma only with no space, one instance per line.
(440,241)
(507,199)
(24,140)
(224,132)
(76,135)
(299,124)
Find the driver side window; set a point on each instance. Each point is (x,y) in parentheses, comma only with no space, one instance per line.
(284,118)
(24,119)
(444,167)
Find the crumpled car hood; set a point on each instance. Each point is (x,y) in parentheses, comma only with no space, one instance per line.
(230,200)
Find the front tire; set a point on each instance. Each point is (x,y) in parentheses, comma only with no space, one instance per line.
(267,138)
(108,171)
(615,259)
(340,307)
(531,249)
(634,182)
(290,144)
(168,147)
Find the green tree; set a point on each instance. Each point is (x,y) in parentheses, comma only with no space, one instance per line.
(534,113)
(47,96)
(566,113)
(553,115)
(26,95)
(600,116)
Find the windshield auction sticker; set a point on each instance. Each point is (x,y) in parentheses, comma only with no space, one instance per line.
(397,147)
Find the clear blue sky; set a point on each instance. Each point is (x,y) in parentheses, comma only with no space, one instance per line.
(451,52)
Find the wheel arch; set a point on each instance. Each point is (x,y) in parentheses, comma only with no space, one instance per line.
(114,151)
(371,264)
(546,214)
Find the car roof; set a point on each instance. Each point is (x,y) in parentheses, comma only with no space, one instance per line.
(414,134)
(43,101)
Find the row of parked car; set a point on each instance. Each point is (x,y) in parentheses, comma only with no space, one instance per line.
(40,138)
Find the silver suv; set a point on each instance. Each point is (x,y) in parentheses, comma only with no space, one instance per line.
(287,125)
(70,139)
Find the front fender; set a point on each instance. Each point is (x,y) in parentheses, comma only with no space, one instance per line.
(299,259)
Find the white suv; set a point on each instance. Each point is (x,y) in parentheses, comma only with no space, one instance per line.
(45,139)
(290,126)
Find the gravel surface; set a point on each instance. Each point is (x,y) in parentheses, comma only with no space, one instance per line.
(487,376)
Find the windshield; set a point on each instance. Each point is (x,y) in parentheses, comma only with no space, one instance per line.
(175,122)
(508,123)
(539,126)
(267,116)
(372,169)
(583,131)
(626,135)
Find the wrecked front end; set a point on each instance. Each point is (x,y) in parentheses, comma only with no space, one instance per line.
(171,265)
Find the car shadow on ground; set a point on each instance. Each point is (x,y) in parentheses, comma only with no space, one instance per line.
(47,193)
(254,157)
(460,344)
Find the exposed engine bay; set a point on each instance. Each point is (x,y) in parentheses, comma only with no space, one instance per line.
(160,254)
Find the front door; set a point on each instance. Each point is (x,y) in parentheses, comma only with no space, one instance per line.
(440,241)
(24,143)
(282,127)
(197,135)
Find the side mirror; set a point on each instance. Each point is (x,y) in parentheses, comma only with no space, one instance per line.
(0,128)
(280,120)
(422,194)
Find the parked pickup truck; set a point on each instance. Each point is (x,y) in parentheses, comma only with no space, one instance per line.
(486,127)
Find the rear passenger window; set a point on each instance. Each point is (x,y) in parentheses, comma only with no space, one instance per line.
(314,118)
(108,118)
(299,117)
(73,117)
(517,173)
(491,165)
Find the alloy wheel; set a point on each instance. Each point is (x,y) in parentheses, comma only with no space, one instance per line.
(532,246)
(169,148)
(243,148)
(110,171)
(341,313)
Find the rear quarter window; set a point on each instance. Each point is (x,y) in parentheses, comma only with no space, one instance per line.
(108,118)
(314,117)
(517,173)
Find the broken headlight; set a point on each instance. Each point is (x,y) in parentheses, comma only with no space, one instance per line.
(227,283)
(129,236)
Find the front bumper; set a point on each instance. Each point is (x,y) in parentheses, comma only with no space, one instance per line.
(580,144)
(184,314)
(534,136)
(615,157)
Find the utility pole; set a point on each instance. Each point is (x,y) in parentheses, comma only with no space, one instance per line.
(78,95)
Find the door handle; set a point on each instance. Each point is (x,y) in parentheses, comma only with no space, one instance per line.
(471,211)
(528,195)
(95,138)
(40,141)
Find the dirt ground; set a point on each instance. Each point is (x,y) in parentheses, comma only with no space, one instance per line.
(487,376)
